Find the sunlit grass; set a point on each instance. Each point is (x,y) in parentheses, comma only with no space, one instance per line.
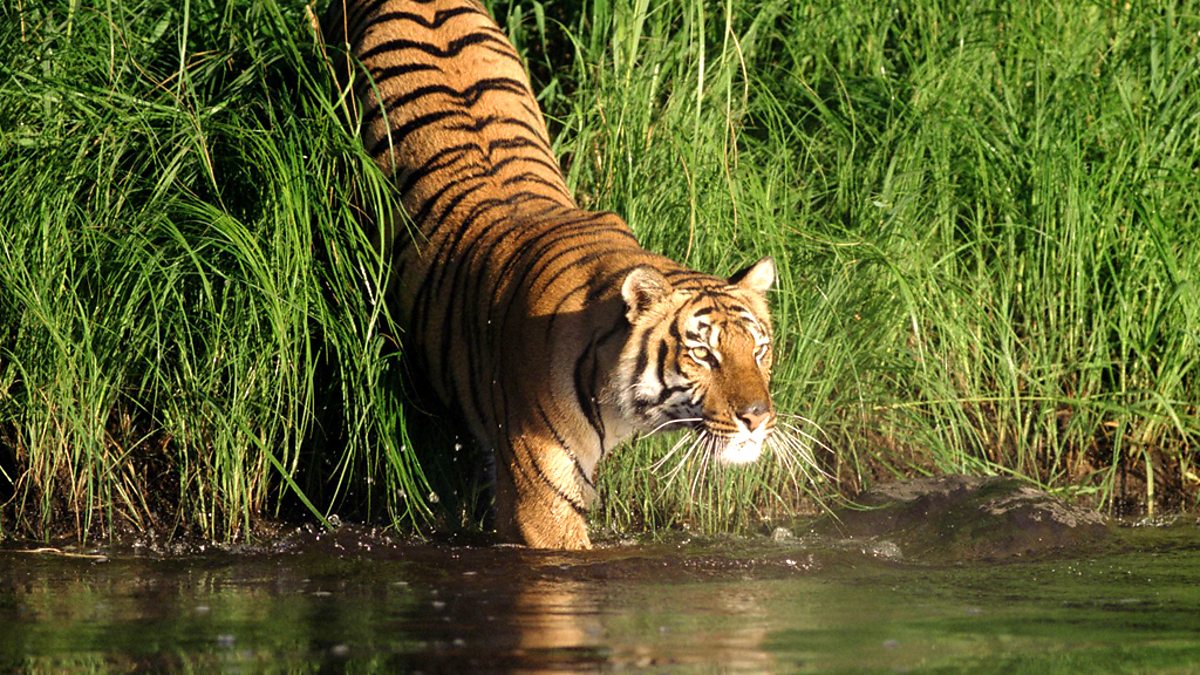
(984,218)
(191,322)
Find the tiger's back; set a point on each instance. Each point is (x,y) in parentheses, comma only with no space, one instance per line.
(444,97)
(544,325)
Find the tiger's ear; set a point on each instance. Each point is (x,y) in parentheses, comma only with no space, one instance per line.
(643,288)
(758,277)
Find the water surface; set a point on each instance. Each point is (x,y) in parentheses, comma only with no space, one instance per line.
(357,600)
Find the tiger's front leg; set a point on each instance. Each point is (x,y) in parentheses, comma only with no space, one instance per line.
(539,499)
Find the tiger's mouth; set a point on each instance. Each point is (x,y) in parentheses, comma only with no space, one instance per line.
(742,446)
(739,451)
(710,440)
(727,440)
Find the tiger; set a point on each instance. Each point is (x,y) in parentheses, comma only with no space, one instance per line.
(546,327)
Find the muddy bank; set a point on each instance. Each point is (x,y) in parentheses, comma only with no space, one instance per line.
(965,518)
(942,519)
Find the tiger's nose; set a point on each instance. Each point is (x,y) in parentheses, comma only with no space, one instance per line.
(754,415)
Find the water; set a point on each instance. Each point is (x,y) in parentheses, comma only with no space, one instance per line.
(358,601)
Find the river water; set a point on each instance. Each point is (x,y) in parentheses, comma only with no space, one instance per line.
(359,601)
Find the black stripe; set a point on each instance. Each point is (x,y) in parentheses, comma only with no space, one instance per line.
(419,303)
(513,226)
(643,356)
(660,367)
(463,226)
(440,17)
(495,311)
(512,143)
(684,277)
(424,293)
(453,49)
(668,392)
(450,246)
(422,216)
(523,142)
(397,134)
(375,79)
(495,168)
(468,97)
(573,227)
(435,163)
(478,391)
(462,265)
(531,177)
(479,124)
(543,243)
(579,508)
(471,407)
(585,397)
(573,265)
(593,413)
(590,224)
(466,255)
(563,443)
(570,293)
(674,330)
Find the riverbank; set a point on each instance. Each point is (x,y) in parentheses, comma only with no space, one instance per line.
(985,220)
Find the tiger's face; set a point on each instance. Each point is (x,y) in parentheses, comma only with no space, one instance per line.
(700,358)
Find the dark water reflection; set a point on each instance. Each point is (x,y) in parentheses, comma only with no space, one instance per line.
(360,602)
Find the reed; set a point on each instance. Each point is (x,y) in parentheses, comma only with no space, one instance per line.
(985,215)
(191,328)
(985,218)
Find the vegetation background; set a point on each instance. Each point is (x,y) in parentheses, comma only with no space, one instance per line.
(985,216)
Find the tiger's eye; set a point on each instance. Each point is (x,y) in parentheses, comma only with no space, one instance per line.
(700,354)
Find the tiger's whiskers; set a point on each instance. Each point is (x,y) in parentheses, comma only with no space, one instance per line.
(681,420)
(709,442)
(792,446)
(696,443)
(686,438)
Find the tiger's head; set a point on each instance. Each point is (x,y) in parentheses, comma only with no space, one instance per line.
(700,357)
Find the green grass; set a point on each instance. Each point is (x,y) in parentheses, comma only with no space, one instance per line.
(189,321)
(986,219)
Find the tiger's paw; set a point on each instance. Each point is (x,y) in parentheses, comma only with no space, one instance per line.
(547,528)
(567,533)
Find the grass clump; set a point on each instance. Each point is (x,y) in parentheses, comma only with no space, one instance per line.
(984,218)
(190,329)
